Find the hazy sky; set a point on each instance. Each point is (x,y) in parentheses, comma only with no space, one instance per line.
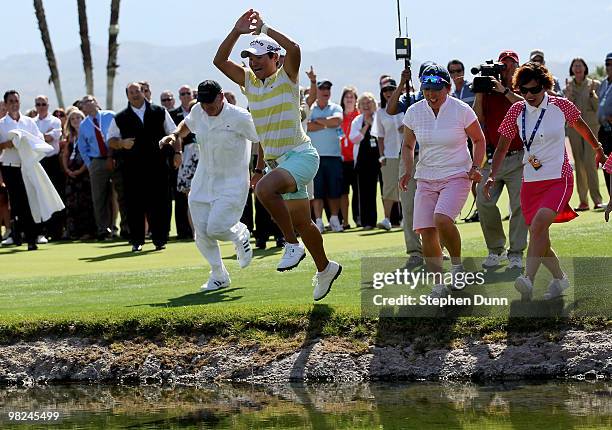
(469,30)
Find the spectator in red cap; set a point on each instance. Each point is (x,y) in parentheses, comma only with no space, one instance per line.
(491,108)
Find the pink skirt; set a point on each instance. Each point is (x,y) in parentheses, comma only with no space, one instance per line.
(553,194)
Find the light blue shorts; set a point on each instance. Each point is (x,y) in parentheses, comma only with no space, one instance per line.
(303,166)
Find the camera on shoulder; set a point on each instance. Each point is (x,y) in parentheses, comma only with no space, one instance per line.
(483,83)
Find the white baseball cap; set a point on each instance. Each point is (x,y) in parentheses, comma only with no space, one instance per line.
(261,45)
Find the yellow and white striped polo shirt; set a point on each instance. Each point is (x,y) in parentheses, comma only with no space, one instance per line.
(275,106)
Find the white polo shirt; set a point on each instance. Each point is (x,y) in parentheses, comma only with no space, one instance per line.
(443,150)
(549,141)
(10,156)
(388,128)
(225,148)
(53,126)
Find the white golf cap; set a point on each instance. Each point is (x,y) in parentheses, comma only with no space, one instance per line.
(261,45)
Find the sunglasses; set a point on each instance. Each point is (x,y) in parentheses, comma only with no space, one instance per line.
(432,79)
(185,94)
(167,100)
(533,90)
(41,104)
(60,115)
(608,64)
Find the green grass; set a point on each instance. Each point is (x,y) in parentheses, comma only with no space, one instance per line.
(103,289)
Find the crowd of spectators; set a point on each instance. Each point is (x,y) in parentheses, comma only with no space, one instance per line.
(115,181)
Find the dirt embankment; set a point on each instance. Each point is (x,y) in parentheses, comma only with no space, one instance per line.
(196,360)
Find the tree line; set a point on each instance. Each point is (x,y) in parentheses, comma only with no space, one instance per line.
(113,48)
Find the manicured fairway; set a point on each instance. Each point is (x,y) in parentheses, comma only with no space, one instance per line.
(86,282)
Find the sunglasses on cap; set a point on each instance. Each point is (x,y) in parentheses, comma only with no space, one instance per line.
(432,79)
(533,90)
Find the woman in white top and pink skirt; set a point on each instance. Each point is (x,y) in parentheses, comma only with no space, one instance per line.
(548,181)
(445,170)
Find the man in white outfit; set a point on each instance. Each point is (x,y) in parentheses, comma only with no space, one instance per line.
(220,186)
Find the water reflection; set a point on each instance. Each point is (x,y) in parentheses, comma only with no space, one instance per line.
(319,406)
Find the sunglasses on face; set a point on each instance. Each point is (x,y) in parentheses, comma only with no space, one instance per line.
(431,79)
(60,115)
(41,104)
(608,64)
(166,100)
(533,90)
(185,94)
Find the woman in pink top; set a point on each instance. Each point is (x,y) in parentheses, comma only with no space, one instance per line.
(548,181)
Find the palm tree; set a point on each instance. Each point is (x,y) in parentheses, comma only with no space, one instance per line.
(113,47)
(85,47)
(46,39)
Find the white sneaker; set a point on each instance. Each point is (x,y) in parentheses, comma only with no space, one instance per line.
(214,284)
(456,269)
(556,288)
(244,252)
(322,281)
(41,240)
(494,260)
(515,261)
(319,223)
(8,241)
(438,291)
(385,224)
(334,223)
(7,234)
(523,285)
(294,253)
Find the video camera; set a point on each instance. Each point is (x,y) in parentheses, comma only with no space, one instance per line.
(488,70)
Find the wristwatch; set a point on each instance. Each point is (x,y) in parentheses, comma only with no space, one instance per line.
(507,90)
(259,171)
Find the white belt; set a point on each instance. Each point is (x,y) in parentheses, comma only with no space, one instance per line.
(273,164)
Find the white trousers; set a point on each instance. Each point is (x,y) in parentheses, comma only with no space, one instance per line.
(219,220)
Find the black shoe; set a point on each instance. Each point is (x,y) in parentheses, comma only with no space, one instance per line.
(136,248)
(32,247)
(473,218)
(160,247)
(260,243)
(280,242)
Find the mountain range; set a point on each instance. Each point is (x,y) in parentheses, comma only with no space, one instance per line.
(170,67)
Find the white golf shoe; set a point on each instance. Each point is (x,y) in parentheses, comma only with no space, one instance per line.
(322,281)
(523,285)
(214,284)
(556,288)
(294,253)
(244,251)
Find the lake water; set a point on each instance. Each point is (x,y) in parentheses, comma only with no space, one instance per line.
(420,405)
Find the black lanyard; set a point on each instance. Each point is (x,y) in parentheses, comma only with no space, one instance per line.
(535,129)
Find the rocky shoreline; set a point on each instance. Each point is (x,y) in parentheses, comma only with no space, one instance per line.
(198,360)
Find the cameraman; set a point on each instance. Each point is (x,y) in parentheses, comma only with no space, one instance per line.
(491,109)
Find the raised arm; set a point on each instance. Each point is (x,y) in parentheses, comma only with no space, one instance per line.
(231,69)
(294,54)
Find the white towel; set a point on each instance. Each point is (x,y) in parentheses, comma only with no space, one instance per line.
(42,196)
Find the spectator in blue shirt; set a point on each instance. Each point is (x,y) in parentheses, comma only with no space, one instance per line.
(324,132)
(461,87)
(96,155)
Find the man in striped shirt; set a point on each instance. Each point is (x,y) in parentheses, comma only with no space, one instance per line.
(273,94)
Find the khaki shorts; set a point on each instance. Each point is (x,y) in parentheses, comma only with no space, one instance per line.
(390,178)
